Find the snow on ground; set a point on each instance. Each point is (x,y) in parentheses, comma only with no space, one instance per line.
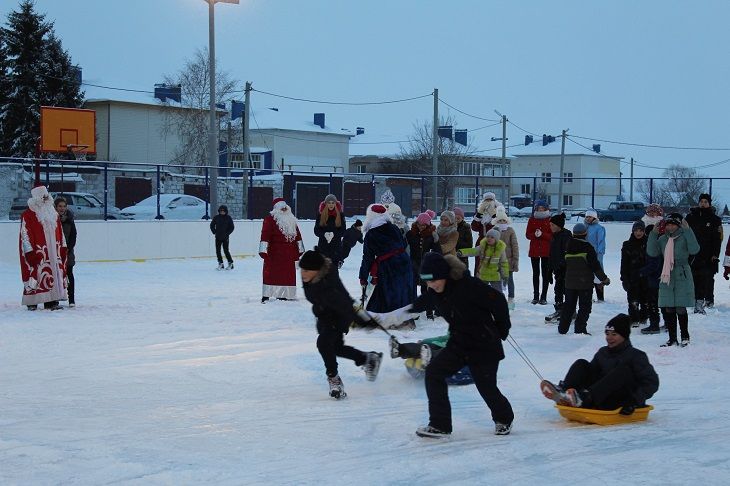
(169,372)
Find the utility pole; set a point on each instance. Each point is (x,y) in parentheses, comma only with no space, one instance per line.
(631,184)
(212,128)
(435,147)
(246,146)
(562,168)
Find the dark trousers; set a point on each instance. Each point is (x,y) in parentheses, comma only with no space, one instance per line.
(581,298)
(445,364)
(608,392)
(672,315)
(331,344)
(413,350)
(559,287)
(703,275)
(224,244)
(540,265)
(71,286)
(637,296)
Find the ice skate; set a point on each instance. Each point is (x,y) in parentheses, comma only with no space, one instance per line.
(425,355)
(337,389)
(372,365)
(394,351)
(432,432)
(502,429)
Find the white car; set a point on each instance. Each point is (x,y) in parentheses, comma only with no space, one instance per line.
(172,206)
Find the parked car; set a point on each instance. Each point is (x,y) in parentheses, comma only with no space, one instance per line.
(82,204)
(622,211)
(172,206)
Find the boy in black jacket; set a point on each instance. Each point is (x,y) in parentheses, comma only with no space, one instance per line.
(558,247)
(581,264)
(332,306)
(222,226)
(353,236)
(479,321)
(619,376)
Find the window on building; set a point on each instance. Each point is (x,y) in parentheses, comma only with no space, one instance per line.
(465,196)
(567,200)
(567,177)
(361,168)
(547,177)
(525,189)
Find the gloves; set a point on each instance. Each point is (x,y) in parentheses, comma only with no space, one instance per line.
(607,281)
(625,285)
(627,409)
(538,233)
(33,258)
(263,255)
(328,236)
(726,274)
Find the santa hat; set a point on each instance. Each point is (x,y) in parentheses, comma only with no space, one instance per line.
(376,215)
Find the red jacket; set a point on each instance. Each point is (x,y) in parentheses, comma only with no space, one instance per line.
(539,247)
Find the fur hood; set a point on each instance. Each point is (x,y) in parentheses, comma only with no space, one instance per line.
(457,268)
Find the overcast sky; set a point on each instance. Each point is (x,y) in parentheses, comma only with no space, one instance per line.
(648,72)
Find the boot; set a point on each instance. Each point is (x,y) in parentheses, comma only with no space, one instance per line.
(683,327)
(337,389)
(372,365)
(700,307)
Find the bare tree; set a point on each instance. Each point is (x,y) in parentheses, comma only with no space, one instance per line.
(191,122)
(416,157)
(677,190)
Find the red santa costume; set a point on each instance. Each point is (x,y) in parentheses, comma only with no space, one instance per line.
(42,248)
(281,246)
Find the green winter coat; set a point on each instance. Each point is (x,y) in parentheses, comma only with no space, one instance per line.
(680,292)
(493,264)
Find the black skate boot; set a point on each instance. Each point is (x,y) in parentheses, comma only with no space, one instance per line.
(337,389)
(372,365)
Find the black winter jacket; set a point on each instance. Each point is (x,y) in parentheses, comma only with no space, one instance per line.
(707,227)
(646,379)
(222,225)
(331,303)
(581,264)
(68,224)
(477,314)
(633,260)
(558,247)
(352,237)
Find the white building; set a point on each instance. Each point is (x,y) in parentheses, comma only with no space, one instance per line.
(589,179)
(301,142)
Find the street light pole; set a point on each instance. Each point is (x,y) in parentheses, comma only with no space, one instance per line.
(212,131)
(213,122)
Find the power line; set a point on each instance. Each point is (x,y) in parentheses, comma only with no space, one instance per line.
(441,100)
(671,147)
(342,102)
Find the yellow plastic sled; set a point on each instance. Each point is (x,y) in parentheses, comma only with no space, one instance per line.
(603,417)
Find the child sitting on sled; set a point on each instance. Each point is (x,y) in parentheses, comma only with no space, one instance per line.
(619,376)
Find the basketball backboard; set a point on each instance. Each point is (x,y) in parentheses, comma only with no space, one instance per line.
(63,129)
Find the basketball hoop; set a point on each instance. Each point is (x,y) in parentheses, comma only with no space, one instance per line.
(78,151)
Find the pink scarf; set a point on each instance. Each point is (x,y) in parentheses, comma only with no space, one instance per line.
(668,260)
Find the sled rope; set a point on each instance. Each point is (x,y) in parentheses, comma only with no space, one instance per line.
(524,356)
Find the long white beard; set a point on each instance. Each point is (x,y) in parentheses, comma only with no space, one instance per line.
(286,222)
(44,211)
